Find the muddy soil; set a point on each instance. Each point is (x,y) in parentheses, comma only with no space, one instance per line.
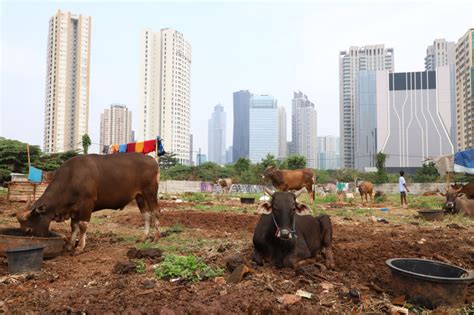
(87,283)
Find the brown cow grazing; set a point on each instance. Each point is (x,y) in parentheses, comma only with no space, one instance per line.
(225,184)
(88,183)
(287,233)
(285,180)
(366,189)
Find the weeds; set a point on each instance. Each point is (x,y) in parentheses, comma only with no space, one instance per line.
(141,266)
(197,197)
(185,267)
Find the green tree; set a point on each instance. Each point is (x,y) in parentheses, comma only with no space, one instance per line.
(14,157)
(294,162)
(269,160)
(86,143)
(242,165)
(382,176)
(168,160)
(427,174)
(208,171)
(346,175)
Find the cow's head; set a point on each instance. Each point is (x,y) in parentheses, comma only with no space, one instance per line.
(283,207)
(34,220)
(451,196)
(269,171)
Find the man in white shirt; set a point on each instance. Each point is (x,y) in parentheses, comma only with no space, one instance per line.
(403,190)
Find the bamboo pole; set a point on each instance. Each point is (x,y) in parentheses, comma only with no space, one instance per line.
(28,154)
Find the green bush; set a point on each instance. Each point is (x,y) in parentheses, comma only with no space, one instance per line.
(186,267)
(196,197)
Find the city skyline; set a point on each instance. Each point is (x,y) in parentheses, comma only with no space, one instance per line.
(310,73)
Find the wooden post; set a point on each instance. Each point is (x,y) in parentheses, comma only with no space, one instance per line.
(28,154)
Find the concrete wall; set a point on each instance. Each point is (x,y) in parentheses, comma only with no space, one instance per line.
(415,188)
(179,186)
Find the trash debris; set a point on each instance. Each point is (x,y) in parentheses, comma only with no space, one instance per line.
(238,274)
(400,300)
(220,280)
(422,241)
(264,198)
(289,299)
(304,294)
(378,219)
(233,262)
(327,287)
(395,310)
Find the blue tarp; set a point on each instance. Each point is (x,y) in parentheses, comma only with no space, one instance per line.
(464,162)
(35,175)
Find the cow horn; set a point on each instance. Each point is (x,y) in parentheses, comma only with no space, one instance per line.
(268,191)
(299,192)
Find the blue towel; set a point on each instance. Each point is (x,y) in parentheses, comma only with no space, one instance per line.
(161,149)
(35,175)
(123,148)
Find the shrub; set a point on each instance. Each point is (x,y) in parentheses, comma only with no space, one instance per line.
(186,267)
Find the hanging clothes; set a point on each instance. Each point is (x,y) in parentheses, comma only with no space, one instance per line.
(149,146)
(161,149)
(35,175)
(123,148)
(105,149)
(131,147)
(114,148)
(139,147)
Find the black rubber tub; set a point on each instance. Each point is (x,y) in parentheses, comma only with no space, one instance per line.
(25,259)
(432,215)
(429,283)
(247,200)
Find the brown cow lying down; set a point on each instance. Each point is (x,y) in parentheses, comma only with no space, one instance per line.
(288,233)
(225,184)
(366,189)
(286,180)
(455,204)
(88,183)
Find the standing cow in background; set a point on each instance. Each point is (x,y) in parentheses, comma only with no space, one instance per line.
(366,189)
(225,184)
(467,190)
(286,180)
(88,183)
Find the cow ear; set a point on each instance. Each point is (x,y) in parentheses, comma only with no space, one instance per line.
(264,208)
(302,209)
(23,216)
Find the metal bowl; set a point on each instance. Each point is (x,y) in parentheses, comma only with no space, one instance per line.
(12,238)
(429,283)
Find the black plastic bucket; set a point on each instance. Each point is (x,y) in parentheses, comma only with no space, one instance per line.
(25,259)
(247,200)
(429,283)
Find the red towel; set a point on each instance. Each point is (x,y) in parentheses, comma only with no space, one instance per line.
(131,147)
(149,146)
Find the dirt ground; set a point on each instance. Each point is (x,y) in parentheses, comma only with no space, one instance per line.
(359,284)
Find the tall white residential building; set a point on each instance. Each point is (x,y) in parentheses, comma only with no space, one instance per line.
(304,129)
(66,115)
(116,125)
(371,58)
(465,91)
(329,153)
(441,53)
(282,145)
(216,151)
(165,91)
(263,127)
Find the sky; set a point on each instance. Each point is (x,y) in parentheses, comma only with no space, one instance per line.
(267,47)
